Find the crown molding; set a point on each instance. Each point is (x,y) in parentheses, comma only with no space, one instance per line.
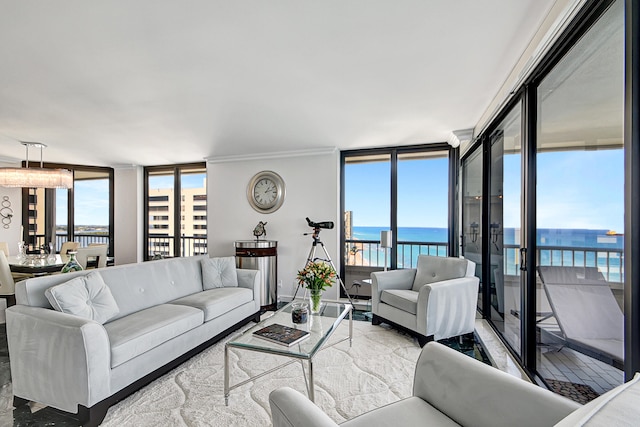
(460,136)
(274,155)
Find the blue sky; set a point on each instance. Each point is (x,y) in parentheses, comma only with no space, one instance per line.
(422,193)
(576,189)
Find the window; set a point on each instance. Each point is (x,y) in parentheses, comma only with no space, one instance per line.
(379,193)
(83,214)
(176,187)
(199,197)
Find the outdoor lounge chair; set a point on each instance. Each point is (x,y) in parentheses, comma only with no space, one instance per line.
(586,310)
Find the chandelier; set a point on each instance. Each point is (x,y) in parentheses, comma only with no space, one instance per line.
(35,177)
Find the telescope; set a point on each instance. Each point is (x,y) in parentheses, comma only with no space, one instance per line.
(324,224)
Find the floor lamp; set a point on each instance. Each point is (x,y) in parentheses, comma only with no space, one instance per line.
(385,242)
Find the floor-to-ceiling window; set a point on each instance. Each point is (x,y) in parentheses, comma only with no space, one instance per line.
(402,191)
(553,189)
(471,229)
(580,210)
(83,214)
(176,210)
(505,215)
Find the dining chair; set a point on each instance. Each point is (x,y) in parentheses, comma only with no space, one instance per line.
(98,252)
(4,247)
(69,246)
(7,284)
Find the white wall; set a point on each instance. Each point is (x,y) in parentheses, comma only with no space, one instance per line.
(129,214)
(312,190)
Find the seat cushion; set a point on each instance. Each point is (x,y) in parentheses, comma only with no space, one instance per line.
(138,332)
(403,299)
(432,269)
(85,296)
(216,302)
(219,272)
(408,412)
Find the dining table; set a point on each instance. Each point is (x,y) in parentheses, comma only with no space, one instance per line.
(36,265)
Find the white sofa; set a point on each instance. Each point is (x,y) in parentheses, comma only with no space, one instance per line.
(436,300)
(165,314)
(453,389)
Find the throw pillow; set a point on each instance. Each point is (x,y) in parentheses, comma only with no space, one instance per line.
(85,296)
(432,269)
(219,272)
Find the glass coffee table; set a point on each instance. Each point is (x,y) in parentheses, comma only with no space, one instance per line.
(320,327)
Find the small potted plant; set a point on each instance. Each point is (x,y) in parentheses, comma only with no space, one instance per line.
(316,276)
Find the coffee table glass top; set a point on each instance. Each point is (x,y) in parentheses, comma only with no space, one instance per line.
(320,327)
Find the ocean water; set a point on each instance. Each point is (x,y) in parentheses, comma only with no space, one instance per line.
(579,247)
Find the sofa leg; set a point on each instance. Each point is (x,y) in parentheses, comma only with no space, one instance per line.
(18,401)
(256,318)
(422,340)
(93,416)
(375,320)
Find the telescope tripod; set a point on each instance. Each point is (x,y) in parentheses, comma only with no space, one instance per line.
(312,258)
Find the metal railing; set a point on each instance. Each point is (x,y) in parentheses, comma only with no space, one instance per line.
(610,262)
(84,240)
(164,245)
(370,253)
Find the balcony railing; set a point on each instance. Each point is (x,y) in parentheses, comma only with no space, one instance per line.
(83,239)
(164,245)
(610,262)
(370,253)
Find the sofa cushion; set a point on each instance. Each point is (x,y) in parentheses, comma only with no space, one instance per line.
(412,411)
(617,407)
(404,299)
(216,302)
(138,332)
(219,272)
(85,296)
(432,269)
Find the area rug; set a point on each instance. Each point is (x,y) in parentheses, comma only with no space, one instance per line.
(581,393)
(377,370)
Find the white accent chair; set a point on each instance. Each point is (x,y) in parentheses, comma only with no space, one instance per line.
(436,300)
(99,252)
(68,247)
(449,389)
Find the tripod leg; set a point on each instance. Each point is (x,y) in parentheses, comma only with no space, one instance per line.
(310,258)
(344,288)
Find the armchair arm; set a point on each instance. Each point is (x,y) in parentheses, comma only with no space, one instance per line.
(447,308)
(393,279)
(58,359)
(249,279)
(472,393)
(290,408)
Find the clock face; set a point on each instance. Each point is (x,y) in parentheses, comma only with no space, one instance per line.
(266,192)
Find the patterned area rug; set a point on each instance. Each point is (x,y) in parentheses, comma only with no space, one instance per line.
(377,370)
(581,393)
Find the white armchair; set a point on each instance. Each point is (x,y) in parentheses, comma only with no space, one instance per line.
(449,389)
(436,300)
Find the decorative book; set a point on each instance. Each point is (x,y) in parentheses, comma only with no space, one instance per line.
(281,334)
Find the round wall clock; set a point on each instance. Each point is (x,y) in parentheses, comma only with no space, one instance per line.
(266,192)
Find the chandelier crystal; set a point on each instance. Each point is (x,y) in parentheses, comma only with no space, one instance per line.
(35,177)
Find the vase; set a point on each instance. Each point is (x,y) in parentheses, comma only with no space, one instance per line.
(72,264)
(315,298)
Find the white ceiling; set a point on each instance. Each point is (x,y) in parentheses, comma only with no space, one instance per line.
(156,81)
